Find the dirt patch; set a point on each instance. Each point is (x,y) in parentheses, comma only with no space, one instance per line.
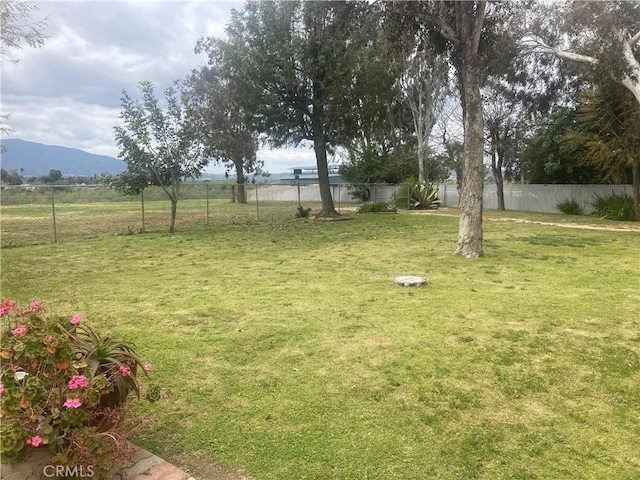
(583,226)
(202,468)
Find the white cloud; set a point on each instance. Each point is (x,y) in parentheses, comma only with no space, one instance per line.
(68,92)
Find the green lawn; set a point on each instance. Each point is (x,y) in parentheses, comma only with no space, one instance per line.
(290,354)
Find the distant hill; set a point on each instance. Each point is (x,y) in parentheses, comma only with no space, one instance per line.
(36,160)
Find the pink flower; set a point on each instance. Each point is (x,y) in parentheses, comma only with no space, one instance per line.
(20,331)
(125,371)
(148,367)
(34,441)
(76,319)
(1,388)
(72,403)
(7,306)
(36,307)
(78,381)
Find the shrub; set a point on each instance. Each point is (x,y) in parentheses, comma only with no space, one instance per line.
(376,207)
(302,212)
(360,192)
(570,207)
(614,207)
(417,196)
(64,387)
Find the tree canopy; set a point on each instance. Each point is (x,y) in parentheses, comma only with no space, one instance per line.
(159,145)
(300,68)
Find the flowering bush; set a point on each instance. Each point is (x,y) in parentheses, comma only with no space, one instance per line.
(64,386)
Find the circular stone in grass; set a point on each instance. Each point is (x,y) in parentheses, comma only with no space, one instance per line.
(410,281)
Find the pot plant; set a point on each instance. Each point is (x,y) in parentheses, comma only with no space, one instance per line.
(64,386)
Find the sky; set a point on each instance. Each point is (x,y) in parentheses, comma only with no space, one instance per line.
(68,92)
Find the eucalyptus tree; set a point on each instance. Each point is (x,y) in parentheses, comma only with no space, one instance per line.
(160,146)
(226,138)
(600,38)
(508,111)
(458,28)
(423,88)
(300,70)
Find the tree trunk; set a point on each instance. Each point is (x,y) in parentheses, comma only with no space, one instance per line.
(500,191)
(421,175)
(470,231)
(320,148)
(635,172)
(175,193)
(174,209)
(496,168)
(240,180)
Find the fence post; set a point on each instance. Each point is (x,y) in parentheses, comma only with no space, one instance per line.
(257,205)
(339,200)
(142,202)
(207,204)
(53,215)
(409,190)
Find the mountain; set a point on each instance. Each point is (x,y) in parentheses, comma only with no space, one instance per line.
(35,160)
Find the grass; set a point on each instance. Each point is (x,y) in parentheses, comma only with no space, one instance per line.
(290,354)
(31,224)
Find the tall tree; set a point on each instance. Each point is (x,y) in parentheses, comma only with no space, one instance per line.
(461,25)
(299,68)
(424,86)
(603,40)
(225,136)
(506,124)
(550,157)
(602,37)
(159,146)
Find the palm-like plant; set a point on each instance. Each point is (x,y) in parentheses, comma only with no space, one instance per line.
(113,358)
(417,196)
(609,133)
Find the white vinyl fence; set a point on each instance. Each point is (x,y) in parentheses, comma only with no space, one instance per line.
(529,198)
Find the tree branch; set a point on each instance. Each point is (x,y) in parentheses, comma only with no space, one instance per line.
(536,45)
(575,57)
(445,29)
(635,39)
(478,22)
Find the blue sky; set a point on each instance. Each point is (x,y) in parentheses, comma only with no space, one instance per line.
(68,92)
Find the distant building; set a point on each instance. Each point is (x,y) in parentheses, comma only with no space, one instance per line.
(309,176)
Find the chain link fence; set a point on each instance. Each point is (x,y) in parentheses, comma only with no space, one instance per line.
(43,214)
